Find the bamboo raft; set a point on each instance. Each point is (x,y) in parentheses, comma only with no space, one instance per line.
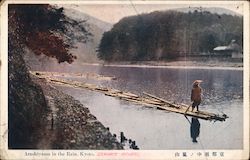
(148,100)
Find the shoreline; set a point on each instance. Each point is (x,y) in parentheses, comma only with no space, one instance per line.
(222,65)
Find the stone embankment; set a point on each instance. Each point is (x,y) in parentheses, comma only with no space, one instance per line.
(70,125)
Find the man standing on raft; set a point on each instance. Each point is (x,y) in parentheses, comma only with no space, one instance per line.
(196,94)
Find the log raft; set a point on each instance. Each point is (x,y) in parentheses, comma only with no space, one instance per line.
(148,100)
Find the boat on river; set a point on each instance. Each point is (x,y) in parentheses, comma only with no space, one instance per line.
(147,99)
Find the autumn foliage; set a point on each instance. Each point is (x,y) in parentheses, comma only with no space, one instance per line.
(50,45)
(44,29)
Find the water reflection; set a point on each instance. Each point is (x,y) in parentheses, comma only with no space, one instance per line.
(154,129)
(195,129)
(174,84)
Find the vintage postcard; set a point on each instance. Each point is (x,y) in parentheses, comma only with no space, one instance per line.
(128,79)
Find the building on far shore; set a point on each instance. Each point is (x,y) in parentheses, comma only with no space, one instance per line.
(233,50)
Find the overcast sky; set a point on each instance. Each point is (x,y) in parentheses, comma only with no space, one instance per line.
(112,13)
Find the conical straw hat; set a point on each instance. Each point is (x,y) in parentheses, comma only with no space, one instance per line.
(197,81)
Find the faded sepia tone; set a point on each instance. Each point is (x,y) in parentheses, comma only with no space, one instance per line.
(127,76)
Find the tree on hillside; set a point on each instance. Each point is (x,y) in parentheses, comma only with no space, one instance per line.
(46,30)
(43,29)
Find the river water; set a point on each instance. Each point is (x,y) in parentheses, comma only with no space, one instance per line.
(154,129)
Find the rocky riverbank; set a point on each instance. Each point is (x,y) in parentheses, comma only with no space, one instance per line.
(70,125)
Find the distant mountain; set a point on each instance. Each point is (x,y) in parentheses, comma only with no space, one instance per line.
(78,15)
(213,10)
(85,52)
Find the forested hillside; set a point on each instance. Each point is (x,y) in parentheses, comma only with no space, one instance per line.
(169,34)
